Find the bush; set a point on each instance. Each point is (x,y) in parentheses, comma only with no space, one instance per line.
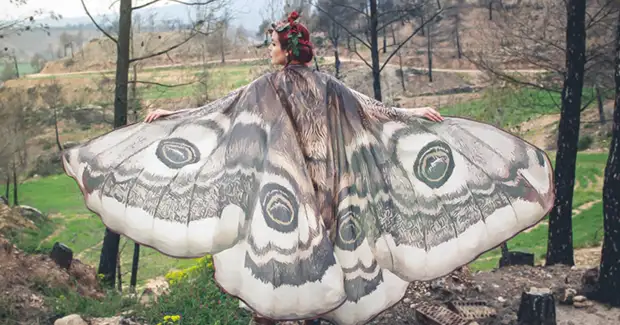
(585,142)
(196,299)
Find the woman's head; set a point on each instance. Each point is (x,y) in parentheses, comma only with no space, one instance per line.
(290,42)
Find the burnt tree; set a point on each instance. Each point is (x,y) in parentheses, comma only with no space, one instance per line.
(560,242)
(608,290)
(109,250)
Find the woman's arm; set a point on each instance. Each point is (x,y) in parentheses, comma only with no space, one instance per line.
(153,115)
(428,112)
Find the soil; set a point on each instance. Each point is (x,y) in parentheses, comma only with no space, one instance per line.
(502,289)
(24,279)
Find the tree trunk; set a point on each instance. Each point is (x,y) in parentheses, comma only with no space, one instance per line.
(601,108)
(457,23)
(58,144)
(422,32)
(384,41)
(609,278)
(119,275)
(374,50)
(537,308)
(134,267)
(560,242)
(400,61)
(7,189)
(15,188)
(109,250)
(490,9)
(429,51)
(16,66)
(337,63)
(134,93)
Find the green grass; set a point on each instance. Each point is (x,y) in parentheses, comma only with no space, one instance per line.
(24,69)
(510,107)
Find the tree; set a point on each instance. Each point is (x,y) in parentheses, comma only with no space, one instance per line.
(375,21)
(560,242)
(52,97)
(337,8)
(609,275)
(37,62)
(108,260)
(24,23)
(19,125)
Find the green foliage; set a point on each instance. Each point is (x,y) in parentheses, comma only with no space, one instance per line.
(510,107)
(8,72)
(585,142)
(196,299)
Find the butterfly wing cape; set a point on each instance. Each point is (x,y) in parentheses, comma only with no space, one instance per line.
(314,200)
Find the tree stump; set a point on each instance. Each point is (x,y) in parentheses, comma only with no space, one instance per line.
(516,258)
(62,255)
(537,308)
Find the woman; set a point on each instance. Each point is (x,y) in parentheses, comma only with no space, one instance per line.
(315,200)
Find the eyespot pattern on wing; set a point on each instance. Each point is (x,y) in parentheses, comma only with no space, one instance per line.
(177,153)
(280,208)
(434,164)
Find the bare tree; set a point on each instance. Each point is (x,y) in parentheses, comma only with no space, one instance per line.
(608,290)
(109,252)
(560,242)
(52,97)
(372,19)
(18,123)
(336,8)
(24,23)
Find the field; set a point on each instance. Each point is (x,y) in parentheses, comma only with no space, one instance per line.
(24,69)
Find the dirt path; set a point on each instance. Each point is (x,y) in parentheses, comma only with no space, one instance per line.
(328,59)
(81,254)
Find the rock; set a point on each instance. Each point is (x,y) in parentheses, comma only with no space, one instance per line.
(62,255)
(31,213)
(407,300)
(501,299)
(155,288)
(579,299)
(71,320)
(582,304)
(566,296)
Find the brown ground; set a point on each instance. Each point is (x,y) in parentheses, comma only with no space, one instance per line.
(502,290)
(23,278)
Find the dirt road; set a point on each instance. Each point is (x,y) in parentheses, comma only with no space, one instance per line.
(328,59)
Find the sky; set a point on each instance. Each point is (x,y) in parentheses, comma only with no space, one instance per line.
(246,10)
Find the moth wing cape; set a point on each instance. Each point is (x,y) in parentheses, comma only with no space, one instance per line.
(412,199)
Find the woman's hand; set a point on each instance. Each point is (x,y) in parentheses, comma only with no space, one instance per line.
(429,113)
(152,116)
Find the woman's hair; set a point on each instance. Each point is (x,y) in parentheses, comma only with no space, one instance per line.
(294,38)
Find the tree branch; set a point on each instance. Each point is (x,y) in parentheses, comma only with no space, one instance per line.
(144,57)
(144,5)
(350,7)
(97,25)
(340,25)
(509,78)
(410,37)
(193,3)
(158,84)
(361,57)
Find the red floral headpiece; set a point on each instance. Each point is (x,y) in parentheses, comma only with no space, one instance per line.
(294,35)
